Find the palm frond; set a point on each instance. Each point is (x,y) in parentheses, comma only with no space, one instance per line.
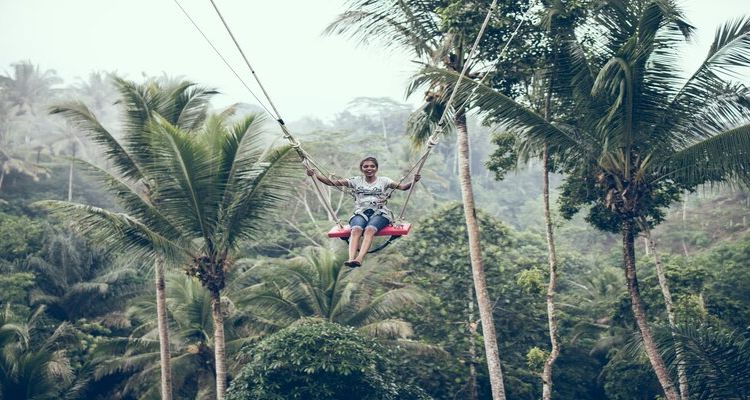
(79,115)
(398,23)
(388,329)
(272,306)
(509,115)
(183,171)
(730,49)
(725,156)
(134,200)
(267,184)
(386,305)
(729,54)
(127,363)
(241,148)
(187,105)
(717,361)
(116,232)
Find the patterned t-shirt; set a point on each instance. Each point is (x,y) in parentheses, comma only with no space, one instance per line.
(370,195)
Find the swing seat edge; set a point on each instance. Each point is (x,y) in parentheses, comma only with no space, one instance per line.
(389,230)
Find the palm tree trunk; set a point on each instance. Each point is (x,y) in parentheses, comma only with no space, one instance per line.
(475,255)
(684,225)
(657,362)
(163,327)
(2,176)
(551,287)
(664,285)
(219,345)
(70,182)
(70,174)
(473,392)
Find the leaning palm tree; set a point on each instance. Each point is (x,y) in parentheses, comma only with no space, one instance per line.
(142,231)
(436,33)
(314,284)
(637,133)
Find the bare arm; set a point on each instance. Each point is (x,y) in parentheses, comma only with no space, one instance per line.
(405,186)
(326,180)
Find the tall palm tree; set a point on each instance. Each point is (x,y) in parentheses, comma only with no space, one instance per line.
(435,31)
(638,133)
(208,189)
(682,377)
(10,161)
(556,17)
(143,230)
(218,186)
(315,285)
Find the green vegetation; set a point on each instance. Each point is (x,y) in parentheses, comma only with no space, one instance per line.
(319,360)
(181,253)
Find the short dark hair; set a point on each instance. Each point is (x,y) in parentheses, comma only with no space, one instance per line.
(373,159)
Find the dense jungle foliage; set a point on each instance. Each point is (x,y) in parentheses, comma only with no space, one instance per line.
(95,218)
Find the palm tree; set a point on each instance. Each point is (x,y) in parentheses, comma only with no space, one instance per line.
(555,15)
(192,343)
(436,32)
(315,285)
(218,186)
(143,231)
(76,280)
(10,161)
(638,133)
(28,87)
(717,359)
(33,366)
(199,191)
(682,377)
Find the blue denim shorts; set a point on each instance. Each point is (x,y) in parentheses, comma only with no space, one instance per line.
(378,221)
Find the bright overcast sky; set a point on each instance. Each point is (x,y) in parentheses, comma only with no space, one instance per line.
(305,73)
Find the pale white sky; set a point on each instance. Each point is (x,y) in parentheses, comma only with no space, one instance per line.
(306,74)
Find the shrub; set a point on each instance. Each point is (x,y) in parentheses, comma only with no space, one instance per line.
(318,360)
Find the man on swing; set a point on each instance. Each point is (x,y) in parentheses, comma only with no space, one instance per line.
(370,211)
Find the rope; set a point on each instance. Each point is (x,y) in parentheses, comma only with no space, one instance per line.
(306,159)
(294,143)
(277,115)
(499,56)
(434,138)
(222,57)
(326,201)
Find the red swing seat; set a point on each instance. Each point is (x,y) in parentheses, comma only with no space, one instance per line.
(389,230)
